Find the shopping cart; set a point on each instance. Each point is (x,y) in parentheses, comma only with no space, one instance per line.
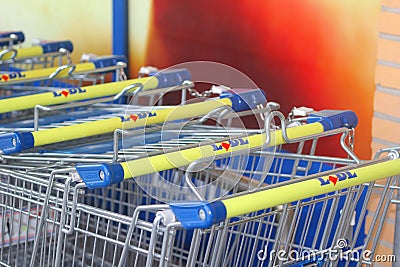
(33,164)
(314,220)
(16,82)
(8,39)
(97,65)
(27,105)
(60,96)
(14,94)
(95,225)
(42,55)
(85,119)
(128,119)
(309,211)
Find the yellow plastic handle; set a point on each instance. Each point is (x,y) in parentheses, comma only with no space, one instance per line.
(72,94)
(23,53)
(184,157)
(133,120)
(42,74)
(268,198)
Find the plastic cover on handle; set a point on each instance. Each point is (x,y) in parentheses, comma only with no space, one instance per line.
(15,142)
(334,119)
(50,47)
(20,37)
(245,99)
(100,175)
(108,61)
(198,214)
(172,77)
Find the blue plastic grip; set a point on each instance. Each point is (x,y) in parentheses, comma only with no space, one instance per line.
(50,47)
(246,100)
(11,143)
(334,119)
(199,214)
(108,61)
(100,175)
(20,37)
(172,77)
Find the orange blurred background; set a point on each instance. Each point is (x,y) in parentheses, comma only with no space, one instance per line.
(319,54)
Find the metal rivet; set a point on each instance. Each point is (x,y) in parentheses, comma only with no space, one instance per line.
(102,175)
(14,142)
(202,214)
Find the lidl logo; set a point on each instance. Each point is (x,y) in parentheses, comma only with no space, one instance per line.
(139,116)
(231,143)
(10,76)
(67,92)
(334,179)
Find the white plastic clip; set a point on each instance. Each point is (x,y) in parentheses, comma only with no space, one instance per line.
(219,89)
(301,111)
(87,57)
(75,176)
(147,70)
(167,216)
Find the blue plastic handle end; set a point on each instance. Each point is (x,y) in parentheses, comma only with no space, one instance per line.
(100,175)
(334,119)
(51,47)
(20,37)
(108,61)
(172,77)
(11,143)
(199,214)
(246,100)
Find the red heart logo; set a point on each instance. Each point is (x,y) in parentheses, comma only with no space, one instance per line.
(65,93)
(333,179)
(133,117)
(4,77)
(226,146)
